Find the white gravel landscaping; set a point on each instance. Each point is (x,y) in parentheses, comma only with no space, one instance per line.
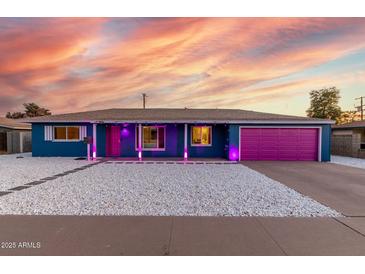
(18,171)
(163,189)
(348,161)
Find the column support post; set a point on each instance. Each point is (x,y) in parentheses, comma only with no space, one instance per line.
(185,142)
(94,152)
(140,142)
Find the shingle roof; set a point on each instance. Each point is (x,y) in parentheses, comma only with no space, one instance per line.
(14,124)
(350,125)
(172,115)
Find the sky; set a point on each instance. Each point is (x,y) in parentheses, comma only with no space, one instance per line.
(261,64)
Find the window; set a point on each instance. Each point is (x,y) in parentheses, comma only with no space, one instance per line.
(73,133)
(67,133)
(201,136)
(153,138)
(60,133)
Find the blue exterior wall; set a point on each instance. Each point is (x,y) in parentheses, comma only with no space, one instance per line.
(233,142)
(225,142)
(326,143)
(218,147)
(174,143)
(40,147)
(174,146)
(100,140)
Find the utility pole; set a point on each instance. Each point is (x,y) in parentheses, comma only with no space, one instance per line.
(361,107)
(144,100)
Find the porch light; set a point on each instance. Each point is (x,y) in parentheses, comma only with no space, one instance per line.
(125,132)
(233,153)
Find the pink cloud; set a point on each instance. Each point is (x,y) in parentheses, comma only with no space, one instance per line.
(70,64)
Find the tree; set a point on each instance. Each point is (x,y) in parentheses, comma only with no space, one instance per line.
(31,110)
(324,103)
(15,115)
(348,117)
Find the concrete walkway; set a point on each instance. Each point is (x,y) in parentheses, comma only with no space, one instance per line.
(130,235)
(339,187)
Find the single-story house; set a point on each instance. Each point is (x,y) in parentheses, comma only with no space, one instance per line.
(349,139)
(14,136)
(184,133)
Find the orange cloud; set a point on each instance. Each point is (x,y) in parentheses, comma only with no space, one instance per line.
(40,43)
(90,63)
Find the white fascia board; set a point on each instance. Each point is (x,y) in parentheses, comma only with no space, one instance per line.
(197,122)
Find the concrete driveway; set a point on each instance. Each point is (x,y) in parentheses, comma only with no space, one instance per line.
(339,187)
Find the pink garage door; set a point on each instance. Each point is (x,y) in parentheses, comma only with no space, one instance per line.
(280,144)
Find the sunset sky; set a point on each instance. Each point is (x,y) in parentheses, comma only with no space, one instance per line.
(78,64)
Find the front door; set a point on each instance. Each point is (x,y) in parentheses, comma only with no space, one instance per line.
(113,141)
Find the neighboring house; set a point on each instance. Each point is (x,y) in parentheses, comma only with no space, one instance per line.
(15,136)
(183,133)
(349,139)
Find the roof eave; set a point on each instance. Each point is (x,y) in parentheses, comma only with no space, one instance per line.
(17,128)
(194,121)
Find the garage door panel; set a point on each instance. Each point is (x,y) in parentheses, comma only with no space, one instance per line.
(268,144)
(305,147)
(285,144)
(269,155)
(307,155)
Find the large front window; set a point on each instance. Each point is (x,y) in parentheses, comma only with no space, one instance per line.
(66,133)
(153,137)
(201,135)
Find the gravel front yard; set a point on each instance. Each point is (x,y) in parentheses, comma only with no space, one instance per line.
(18,171)
(348,161)
(163,189)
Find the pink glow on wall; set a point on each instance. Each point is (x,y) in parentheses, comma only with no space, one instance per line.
(125,132)
(185,155)
(140,155)
(233,153)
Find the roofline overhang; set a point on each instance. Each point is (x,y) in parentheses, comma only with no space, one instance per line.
(193,121)
(18,128)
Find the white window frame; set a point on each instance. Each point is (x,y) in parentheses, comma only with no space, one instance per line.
(150,149)
(65,140)
(201,145)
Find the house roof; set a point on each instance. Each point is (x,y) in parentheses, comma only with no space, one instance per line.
(170,115)
(356,124)
(14,124)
